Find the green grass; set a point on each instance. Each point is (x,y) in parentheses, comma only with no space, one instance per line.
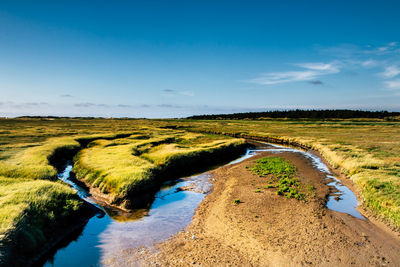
(274,166)
(143,162)
(367,151)
(30,210)
(280,175)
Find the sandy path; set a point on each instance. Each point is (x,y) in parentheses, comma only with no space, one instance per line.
(270,230)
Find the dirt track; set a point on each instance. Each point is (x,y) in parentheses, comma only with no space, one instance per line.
(270,230)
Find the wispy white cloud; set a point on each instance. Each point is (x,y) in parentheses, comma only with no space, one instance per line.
(311,71)
(383,61)
(393,85)
(351,51)
(369,63)
(318,66)
(172,92)
(391,71)
(389,48)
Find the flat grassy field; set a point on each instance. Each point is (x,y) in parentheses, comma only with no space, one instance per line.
(366,151)
(122,157)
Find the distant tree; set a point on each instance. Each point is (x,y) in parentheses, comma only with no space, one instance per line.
(301,114)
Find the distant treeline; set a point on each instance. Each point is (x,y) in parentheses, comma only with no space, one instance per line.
(302,114)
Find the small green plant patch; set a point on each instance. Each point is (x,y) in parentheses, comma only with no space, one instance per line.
(236,201)
(281,176)
(273,165)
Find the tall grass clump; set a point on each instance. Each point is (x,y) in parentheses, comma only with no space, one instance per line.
(30,212)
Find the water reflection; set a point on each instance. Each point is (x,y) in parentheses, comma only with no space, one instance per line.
(115,230)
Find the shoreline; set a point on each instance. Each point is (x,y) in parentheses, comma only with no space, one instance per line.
(366,212)
(225,236)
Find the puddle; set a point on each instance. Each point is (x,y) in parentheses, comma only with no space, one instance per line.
(344,200)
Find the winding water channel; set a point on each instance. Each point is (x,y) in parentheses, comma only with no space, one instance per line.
(171,211)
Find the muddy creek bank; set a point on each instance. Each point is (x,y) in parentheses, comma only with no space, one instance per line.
(269,230)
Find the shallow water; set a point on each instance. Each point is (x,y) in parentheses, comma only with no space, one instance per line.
(103,236)
(344,200)
(106,235)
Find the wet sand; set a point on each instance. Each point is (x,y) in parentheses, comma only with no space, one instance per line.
(269,230)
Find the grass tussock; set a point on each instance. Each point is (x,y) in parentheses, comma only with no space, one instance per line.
(30,211)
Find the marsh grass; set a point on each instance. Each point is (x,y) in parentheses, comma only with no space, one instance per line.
(33,203)
(30,211)
(367,151)
(280,174)
(125,167)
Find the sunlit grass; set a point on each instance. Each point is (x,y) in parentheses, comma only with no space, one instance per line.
(368,152)
(33,207)
(128,166)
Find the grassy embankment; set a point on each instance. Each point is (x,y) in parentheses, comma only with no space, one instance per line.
(34,204)
(366,151)
(147,158)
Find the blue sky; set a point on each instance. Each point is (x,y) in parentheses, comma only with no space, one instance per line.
(178,58)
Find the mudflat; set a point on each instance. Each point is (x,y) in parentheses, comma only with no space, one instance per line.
(266,229)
